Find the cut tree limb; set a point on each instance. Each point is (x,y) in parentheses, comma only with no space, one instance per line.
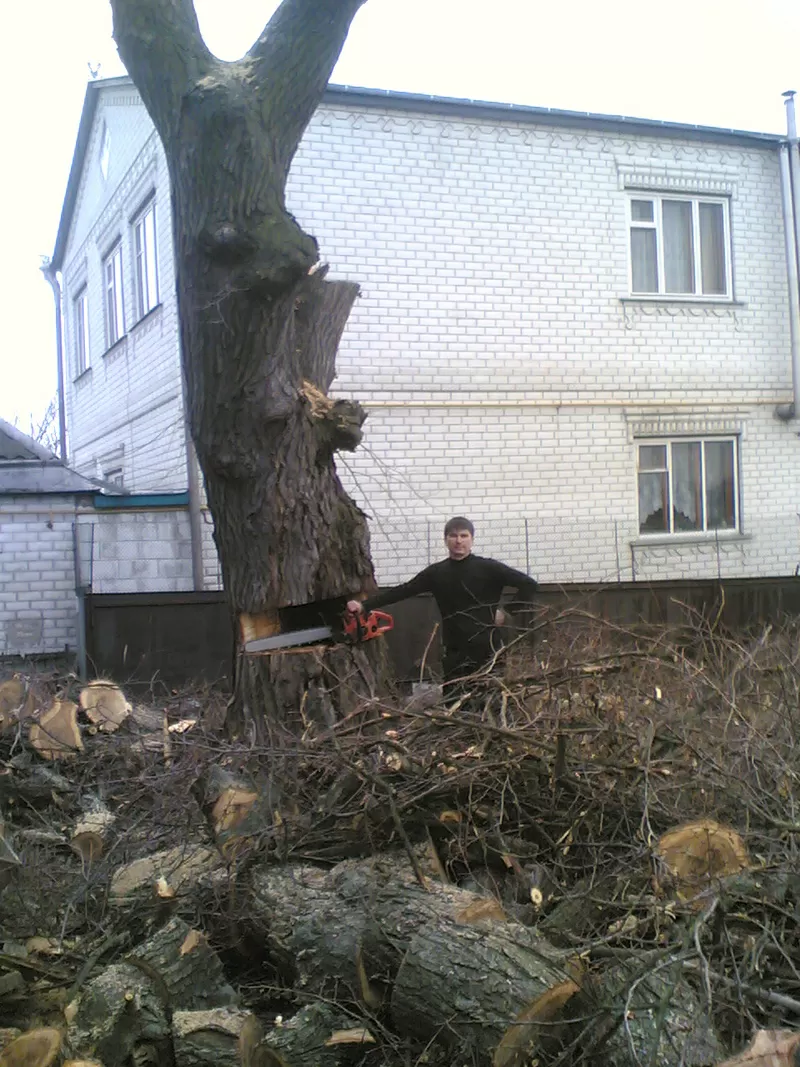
(56,734)
(182,961)
(91,830)
(208,1038)
(351,925)
(305,1040)
(467,988)
(36,1048)
(105,705)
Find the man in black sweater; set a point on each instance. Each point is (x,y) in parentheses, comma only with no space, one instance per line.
(467,591)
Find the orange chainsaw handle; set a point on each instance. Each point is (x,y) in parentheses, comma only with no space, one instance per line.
(363,627)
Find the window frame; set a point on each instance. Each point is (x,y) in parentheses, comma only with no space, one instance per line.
(80,323)
(658,198)
(114,257)
(704,532)
(143,289)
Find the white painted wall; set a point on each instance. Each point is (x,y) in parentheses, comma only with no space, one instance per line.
(505,373)
(127,409)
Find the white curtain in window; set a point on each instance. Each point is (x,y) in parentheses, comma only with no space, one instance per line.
(720,497)
(687,509)
(678,246)
(644,264)
(712,249)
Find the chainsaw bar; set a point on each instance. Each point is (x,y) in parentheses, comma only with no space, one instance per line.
(290,640)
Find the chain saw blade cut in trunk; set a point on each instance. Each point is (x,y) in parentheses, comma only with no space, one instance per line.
(346,627)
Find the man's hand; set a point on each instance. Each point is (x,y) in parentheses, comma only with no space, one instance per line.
(499,617)
(354,606)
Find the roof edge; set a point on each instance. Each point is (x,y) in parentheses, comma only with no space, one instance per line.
(90,99)
(547,116)
(39,452)
(395,100)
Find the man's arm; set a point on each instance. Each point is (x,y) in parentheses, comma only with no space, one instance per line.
(419,584)
(513,579)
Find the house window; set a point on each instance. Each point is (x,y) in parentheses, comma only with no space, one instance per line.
(688,486)
(679,246)
(144,250)
(112,281)
(114,475)
(105,151)
(80,314)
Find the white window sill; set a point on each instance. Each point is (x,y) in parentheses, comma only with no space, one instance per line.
(675,540)
(118,346)
(689,301)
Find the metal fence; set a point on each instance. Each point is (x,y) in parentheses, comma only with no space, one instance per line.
(151,551)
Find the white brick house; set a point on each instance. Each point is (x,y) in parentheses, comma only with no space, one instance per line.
(573,328)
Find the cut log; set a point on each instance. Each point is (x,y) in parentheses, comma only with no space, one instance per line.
(12,702)
(121,1010)
(56,734)
(7,1035)
(690,858)
(353,922)
(769,1048)
(208,1038)
(469,988)
(185,869)
(309,1039)
(91,830)
(185,966)
(235,807)
(36,1048)
(105,705)
(650,1017)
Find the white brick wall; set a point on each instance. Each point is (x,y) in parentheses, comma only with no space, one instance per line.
(501,364)
(137,551)
(38,606)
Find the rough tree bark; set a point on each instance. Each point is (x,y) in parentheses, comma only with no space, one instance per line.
(260,326)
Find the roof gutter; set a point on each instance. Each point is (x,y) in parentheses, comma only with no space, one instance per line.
(50,274)
(790,198)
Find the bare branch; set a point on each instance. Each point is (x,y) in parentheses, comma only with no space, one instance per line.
(292,66)
(162,48)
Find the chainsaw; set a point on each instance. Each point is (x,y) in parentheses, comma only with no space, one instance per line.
(354,629)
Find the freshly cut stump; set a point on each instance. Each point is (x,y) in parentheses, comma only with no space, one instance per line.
(468,987)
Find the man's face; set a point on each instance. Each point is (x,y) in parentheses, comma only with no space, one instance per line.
(459,543)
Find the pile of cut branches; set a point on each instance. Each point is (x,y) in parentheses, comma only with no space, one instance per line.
(589,857)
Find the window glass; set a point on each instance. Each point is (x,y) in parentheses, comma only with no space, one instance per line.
(678,246)
(644,261)
(720,497)
(712,249)
(687,506)
(642,210)
(144,241)
(687,486)
(653,511)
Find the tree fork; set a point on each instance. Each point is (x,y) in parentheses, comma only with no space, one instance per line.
(260,327)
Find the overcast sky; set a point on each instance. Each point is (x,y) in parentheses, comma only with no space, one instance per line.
(712,62)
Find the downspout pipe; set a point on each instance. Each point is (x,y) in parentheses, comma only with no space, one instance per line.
(790,197)
(50,274)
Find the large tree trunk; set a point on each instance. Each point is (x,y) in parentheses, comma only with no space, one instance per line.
(260,326)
